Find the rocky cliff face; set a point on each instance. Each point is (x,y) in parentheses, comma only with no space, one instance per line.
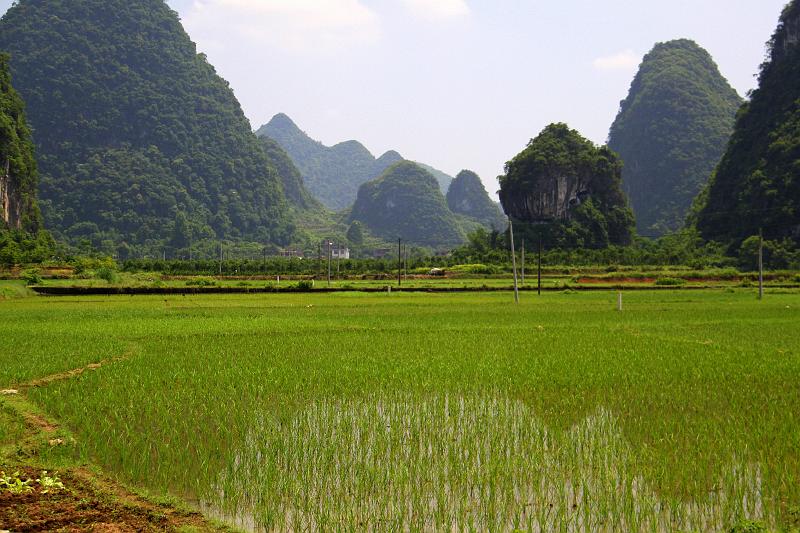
(756,185)
(551,197)
(566,183)
(18,177)
(788,33)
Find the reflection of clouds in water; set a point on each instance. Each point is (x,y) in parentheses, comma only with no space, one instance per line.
(455,463)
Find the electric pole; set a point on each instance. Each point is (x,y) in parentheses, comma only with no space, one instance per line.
(523,262)
(330,257)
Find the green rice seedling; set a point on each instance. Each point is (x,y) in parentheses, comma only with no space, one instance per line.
(431,411)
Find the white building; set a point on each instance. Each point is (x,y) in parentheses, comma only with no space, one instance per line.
(336,251)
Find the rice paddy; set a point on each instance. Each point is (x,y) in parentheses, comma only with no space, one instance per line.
(414,412)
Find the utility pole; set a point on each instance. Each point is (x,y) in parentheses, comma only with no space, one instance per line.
(319,261)
(513,260)
(523,262)
(539,276)
(330,257)
(220,258)
(760,264)
(399,261)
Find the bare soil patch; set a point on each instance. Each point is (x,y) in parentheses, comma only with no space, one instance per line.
(89,504)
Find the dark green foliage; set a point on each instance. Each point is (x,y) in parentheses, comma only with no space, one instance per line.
(355,233)
(467,196)
(671,131)
(442,178)
(333,174)
(18,175)
(291,179)
(31,276)
(565,189)
(22,247)
(685,248)
(757,183)
(406,202)
(133,127)
(778,254)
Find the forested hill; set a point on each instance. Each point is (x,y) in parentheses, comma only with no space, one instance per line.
(138,138)
(757,183)
(292,180)
(467,196)
(18,176)
(671,132)
(406,202)
(567,191)
(333,174)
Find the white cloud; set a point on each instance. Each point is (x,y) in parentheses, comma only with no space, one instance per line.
(438,9)
(293,25)
(626,60)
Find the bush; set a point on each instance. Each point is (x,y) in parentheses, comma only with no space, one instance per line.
(201,282)
(305,285)
(85,264)
(32,276)
(748,526)
(107,274)
(667,282)
(475,269)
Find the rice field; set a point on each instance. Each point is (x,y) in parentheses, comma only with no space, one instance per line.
(378,412)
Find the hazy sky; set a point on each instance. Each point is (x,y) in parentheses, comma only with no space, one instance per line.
(458,83)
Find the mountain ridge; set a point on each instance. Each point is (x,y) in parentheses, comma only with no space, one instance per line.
(333,174)
(671,131)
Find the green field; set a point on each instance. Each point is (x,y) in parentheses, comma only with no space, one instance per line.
(419,411)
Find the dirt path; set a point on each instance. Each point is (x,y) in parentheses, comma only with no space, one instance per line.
(90,500)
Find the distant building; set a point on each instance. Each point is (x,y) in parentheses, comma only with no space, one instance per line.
(336,251)
(291,253)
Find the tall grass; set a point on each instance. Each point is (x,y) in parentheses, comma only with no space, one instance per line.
(436,412)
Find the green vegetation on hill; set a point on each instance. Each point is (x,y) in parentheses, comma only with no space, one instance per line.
(292,181)
(467,196)
(757,183)
(565,189)
(22,239)
(138,138)
(406,202)
(19,209)
(442,178)
(671,131)
(334,174)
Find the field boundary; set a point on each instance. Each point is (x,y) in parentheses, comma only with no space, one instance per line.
(133,291)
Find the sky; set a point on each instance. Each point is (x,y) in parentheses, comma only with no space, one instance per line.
(458,83)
